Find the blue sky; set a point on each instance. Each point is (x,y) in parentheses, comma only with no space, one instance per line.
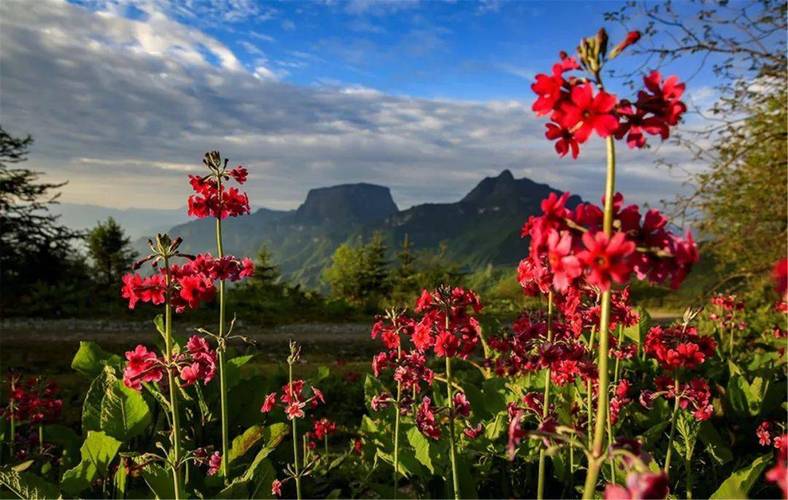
(426,97)
(433,49)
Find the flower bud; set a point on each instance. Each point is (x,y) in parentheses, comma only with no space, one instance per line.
(631,38)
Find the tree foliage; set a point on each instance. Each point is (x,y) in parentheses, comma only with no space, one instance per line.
(740,198)
(110,251)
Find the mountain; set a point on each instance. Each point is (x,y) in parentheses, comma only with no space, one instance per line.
(482,228)
(136,222)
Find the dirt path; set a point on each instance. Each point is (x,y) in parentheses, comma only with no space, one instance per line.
(50,344)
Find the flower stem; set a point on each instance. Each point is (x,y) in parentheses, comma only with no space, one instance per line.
(221,349)
(596,460)
(176,430)
(396,431)
(688,477)
(672,425)
(296,467)
(452,452)
(546,401)
(41,438)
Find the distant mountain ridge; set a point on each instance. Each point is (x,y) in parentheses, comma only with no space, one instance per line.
(482,228)
(136,222)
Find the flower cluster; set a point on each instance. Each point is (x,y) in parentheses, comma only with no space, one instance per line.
(428,417)
(294,398)
(568,245)
(678,346)
(694,396)
(578,108)
(190,284)
(196,364)
(213,199)
(32,400)
(202,456)
(447,326)
(321,429)
(532,406)
(527,349)
(726,308)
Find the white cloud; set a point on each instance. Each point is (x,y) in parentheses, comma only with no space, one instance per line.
(123,108)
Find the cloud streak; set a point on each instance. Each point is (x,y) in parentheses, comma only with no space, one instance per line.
(122,108)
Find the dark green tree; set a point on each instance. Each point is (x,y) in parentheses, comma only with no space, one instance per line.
(404,279)
(35,249)
(110,252)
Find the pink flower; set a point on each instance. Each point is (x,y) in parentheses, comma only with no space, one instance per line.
(645,485)
(295,410)
(446,344)
(585,113)
(276,487)
(462,406)
(214,463)
(606,258)
(425,419)
(141,366)
(564,266)
(268,403)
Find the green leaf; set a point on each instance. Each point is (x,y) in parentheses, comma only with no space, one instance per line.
(97,453)
(27,485)
(124,413)
(90,359)
(91,407)
(323,373)
(159,480)
(232,369)
(739,483)
(243,443)
(715,447)
(637,332)
(421,447)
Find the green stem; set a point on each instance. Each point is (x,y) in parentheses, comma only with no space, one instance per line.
(452,452)
(221,352)
(688,478)
(396,432)
(296,466)
(176,431)
(672,426)
(41,439)
(546,402)
(597,458)
(589,396)
(12,445)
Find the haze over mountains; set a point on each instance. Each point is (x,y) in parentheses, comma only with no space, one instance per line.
(481,228)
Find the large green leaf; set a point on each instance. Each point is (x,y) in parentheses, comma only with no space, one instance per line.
(90,359)
(27,485)
(715,446)
(421,446)
(97,453)
(91,407)
(637,332)
(256,480)
(232,369)
(243,443)
(745,398)
(739,483)
(159,480)
(124,413)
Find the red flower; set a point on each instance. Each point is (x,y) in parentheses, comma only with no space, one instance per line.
(764,438)
(358,446)
(446,344)
(323,427)
(564,266)
(462,406)
(585,113)
(214,463)
(566,140)
(141,366)
(548,88)
(664,97)
(276,487)
(607,258)
(422,337)
(268,403)
(645,485)
(780,274)
(474,432)
(239,173)
(295,410)
(779,473)
(425,419)
(678,347)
